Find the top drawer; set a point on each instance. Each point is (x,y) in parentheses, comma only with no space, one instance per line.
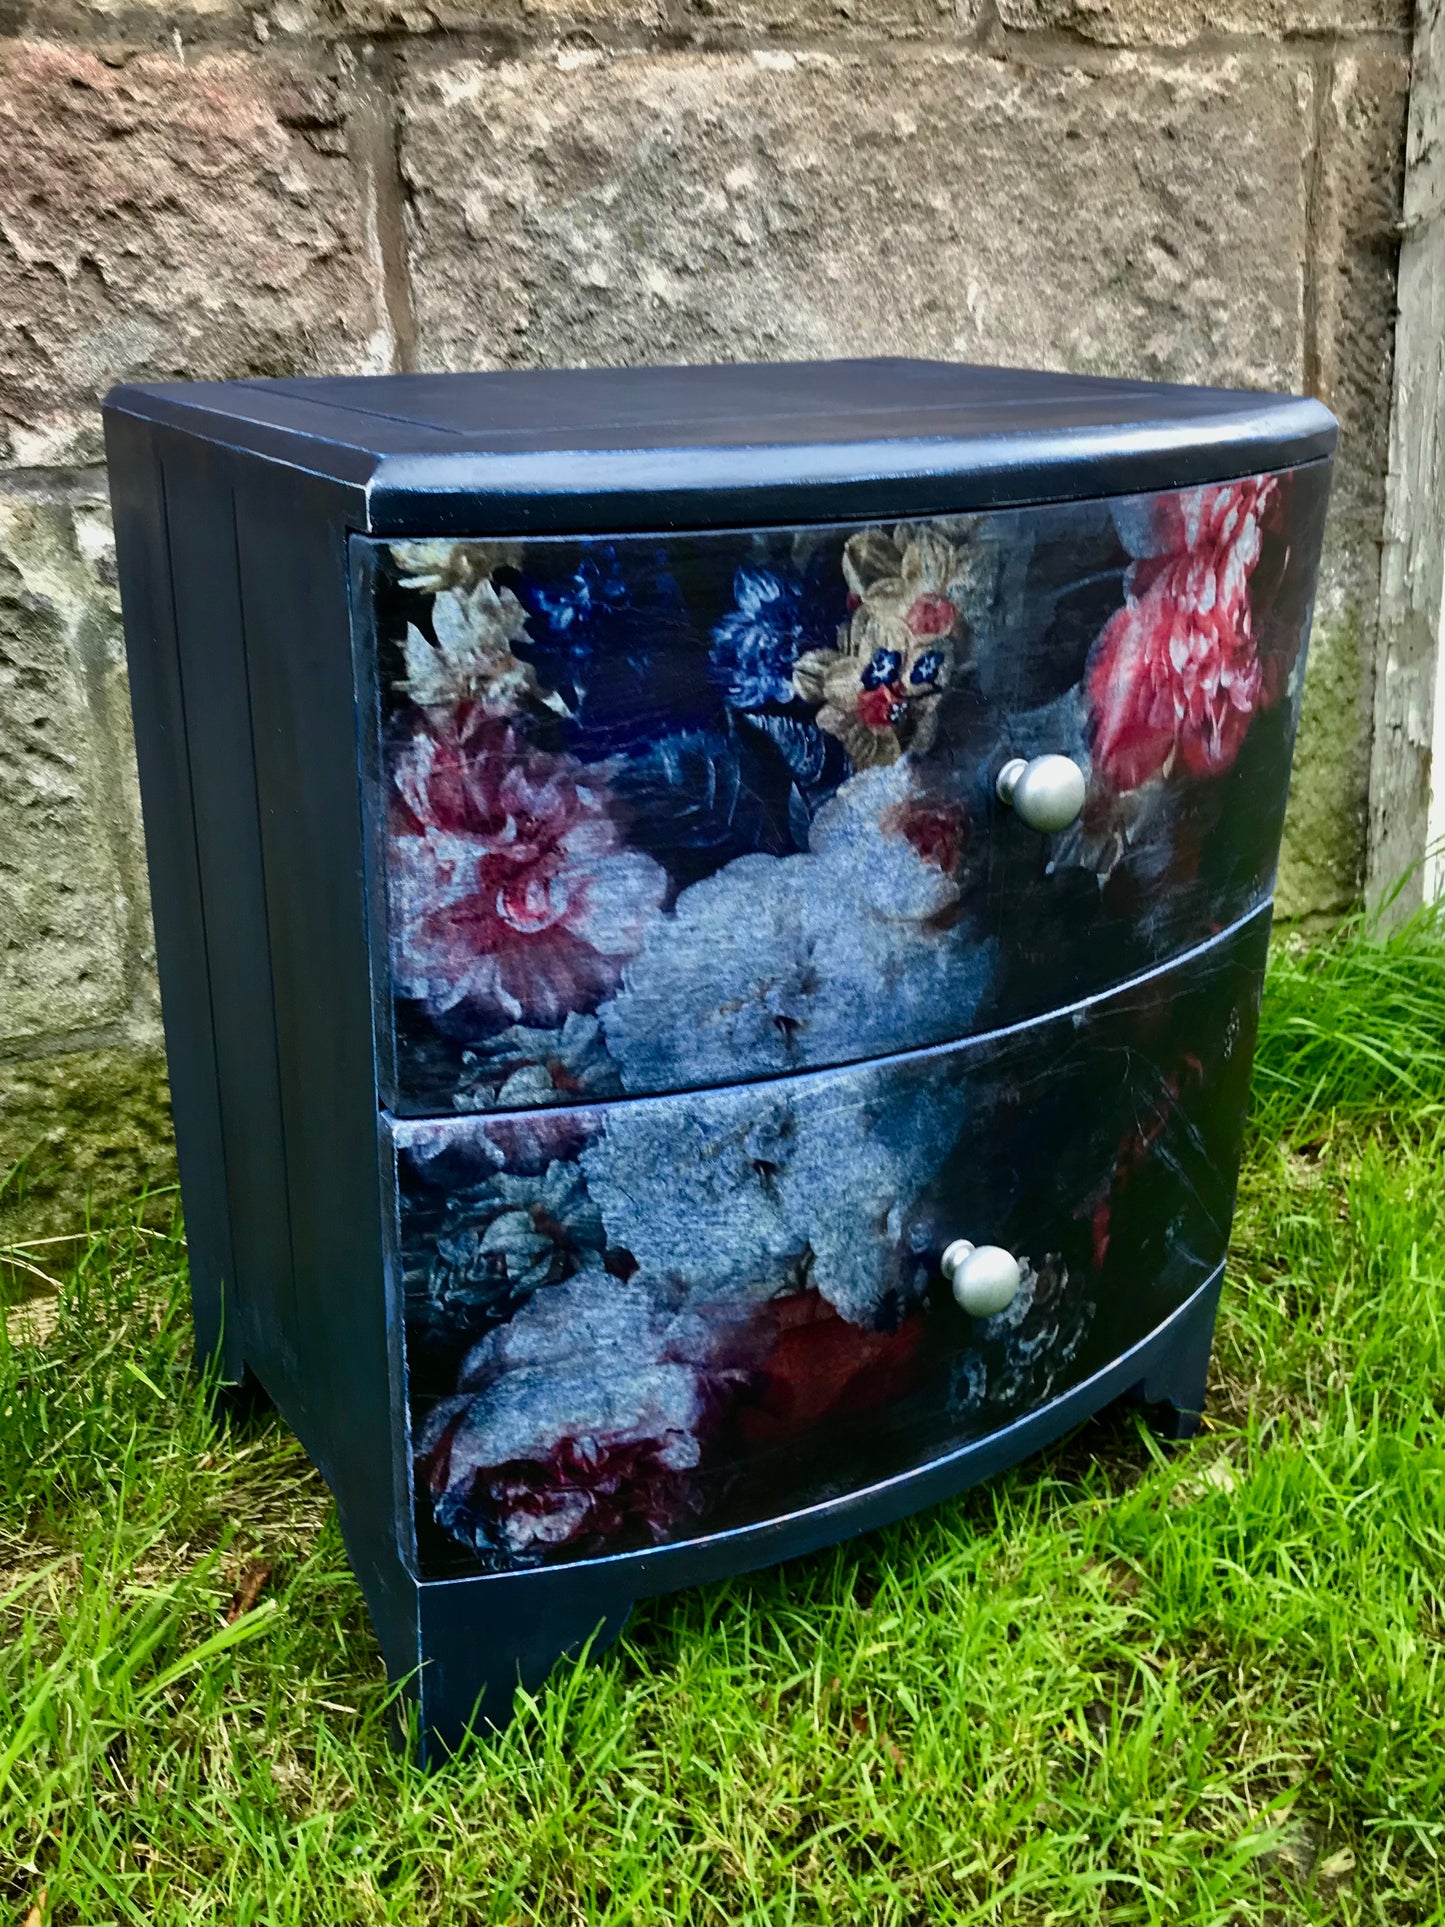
(657,813)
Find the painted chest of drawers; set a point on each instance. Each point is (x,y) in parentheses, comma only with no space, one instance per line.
(710,924)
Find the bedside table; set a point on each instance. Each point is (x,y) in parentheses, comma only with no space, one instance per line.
(711,923)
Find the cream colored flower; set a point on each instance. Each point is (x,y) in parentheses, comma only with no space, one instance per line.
(433,566)
(472,660)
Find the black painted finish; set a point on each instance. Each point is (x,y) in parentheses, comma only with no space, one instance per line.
(164,751)
(253,698)
(591,450)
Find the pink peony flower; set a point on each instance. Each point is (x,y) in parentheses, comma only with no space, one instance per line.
(513,896)
(1176,677)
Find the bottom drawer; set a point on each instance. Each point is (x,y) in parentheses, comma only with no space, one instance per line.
(645,1321)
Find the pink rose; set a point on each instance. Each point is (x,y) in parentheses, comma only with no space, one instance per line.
(514,898)
(1176,677)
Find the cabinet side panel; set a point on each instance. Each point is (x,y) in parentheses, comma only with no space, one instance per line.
(207,589)
(164,757)
(293,566)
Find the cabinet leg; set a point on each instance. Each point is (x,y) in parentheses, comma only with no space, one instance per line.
(1172,1391)
(481,1641)
(241,1397)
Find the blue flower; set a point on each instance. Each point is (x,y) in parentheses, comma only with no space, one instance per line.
(882,668)
(756,643)
(595,595)
(615,641)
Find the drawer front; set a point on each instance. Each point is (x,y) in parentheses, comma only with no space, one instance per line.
(640,1322)
(658,814)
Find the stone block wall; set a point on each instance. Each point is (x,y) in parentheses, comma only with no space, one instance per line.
(1204,190)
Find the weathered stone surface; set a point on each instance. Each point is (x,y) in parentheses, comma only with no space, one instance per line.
(1407,769)
(539,19)
(67,817)
(1138,216)
(745,23)
(1176,23)
(1357,247)
(132,20)
(119,29)
(1322,860)
(1355,252)
(88,1129)
(159,219)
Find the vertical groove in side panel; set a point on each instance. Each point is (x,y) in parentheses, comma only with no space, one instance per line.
(295,610)
(205,572)
(143,554)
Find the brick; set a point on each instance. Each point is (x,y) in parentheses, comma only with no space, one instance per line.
(1128,216)
(165,219)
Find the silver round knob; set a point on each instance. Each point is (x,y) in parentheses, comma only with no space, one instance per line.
(1047,793)
(985,1278)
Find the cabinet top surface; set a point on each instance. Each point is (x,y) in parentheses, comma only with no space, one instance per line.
(1013,434)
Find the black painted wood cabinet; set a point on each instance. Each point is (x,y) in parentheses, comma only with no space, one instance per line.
(711,923)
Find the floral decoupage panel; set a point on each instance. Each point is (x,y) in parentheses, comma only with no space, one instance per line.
(662,813)
(643,1321)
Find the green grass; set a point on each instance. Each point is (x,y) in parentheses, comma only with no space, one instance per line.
(1121,1684)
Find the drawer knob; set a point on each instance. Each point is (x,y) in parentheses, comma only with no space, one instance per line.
(985,1278)
(1047,793)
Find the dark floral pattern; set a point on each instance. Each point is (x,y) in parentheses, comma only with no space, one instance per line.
(1177,678)
(666,814)
(627,1323)
(514,896)
(577,1420)
(757,643)
(499,1240)
(679,816)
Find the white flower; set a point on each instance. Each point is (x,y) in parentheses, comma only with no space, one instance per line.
(471,659)
(581,1416)
(770,1189)
(434,565)
(780,963)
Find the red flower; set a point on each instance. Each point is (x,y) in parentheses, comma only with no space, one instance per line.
(880,708)
(820,1366)
(938,835)
(931,615)
(1176,676)
(513,895)
(583,1496)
